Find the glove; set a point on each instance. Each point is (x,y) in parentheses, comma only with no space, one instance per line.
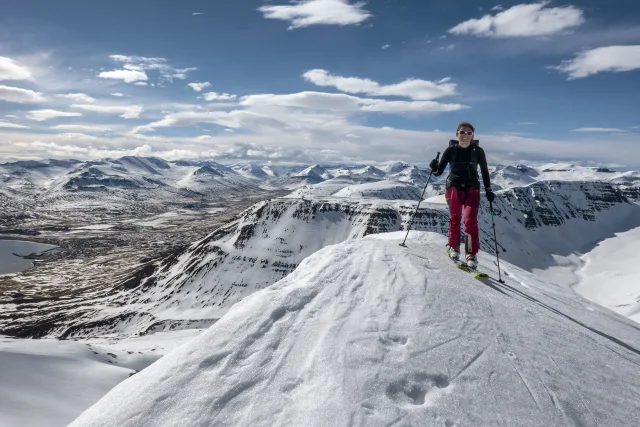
(490,196)
(433,165)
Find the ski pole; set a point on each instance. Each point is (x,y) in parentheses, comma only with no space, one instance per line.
(495,240)
(419,201)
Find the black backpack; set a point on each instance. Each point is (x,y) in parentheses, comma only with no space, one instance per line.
(473,166)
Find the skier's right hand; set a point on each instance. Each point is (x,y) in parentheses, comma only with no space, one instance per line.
(434,165)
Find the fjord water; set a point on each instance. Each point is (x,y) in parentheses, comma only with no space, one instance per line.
(9,263)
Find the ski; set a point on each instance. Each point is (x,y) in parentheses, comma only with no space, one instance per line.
(475,273)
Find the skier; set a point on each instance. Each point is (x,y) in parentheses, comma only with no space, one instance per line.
(463,190)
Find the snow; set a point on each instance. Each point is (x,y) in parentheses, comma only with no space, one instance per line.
(48,383)
(369,333)
(611,276)
(387,189)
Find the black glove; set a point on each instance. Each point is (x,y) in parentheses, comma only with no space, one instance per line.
(490,195)
(434,165)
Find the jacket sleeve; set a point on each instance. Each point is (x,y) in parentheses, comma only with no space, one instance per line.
(486,179)
(444,161)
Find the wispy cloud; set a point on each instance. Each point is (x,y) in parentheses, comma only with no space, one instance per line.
(386,46)
(10,69)
(448,47)
(128,76)
(198,87)
(304,13)
(125,111)
(118,94)
(197,13)
(523,20)
(602,59)
(597,129)
(82,128)
(47,114)
(527,123)
(138,66)
(4,124)
(411,88)
(77,97)
(214,96)
(19,95)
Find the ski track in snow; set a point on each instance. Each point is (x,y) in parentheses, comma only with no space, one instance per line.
(367,333)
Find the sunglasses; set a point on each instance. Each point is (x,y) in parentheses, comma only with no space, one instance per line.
(463,132)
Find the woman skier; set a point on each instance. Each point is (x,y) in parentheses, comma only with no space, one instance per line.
(463,190)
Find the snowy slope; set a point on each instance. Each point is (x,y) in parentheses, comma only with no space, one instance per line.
(611,274)
(367,333)
(48,383)
(389,190)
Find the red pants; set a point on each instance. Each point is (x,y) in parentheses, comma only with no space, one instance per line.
(470,199)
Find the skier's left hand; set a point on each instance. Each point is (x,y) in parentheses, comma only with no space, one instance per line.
(490,195)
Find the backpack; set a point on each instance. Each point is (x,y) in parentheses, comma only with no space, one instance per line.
(473,166)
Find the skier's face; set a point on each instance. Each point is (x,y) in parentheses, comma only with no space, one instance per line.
(463,136)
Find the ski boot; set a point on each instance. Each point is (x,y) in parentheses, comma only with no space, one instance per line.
(454,253)
(472,261)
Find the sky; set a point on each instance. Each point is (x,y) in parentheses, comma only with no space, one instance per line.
(320,80)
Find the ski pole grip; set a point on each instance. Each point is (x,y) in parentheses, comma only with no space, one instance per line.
(438,156)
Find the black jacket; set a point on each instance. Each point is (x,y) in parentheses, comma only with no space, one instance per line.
(461,172)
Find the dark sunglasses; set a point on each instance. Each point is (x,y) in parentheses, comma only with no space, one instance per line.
(468,132)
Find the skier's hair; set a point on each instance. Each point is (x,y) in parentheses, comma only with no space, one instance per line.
(466,124)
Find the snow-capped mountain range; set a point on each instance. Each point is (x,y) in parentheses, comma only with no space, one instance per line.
(196,286)
(149,184)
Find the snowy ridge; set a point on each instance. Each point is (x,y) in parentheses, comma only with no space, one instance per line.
(367,333)
(390,190)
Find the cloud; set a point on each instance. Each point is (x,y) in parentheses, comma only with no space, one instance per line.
(82,128)
(118,94)
(596,129)
(80,136)
(497,7)
(304,13)
(4,124)
(12,116)
(125,111)
(214,96)
(412,88)
(77,97)
(448,47)
(386,46)
(232,119)
(19,95)
(128,76)
(42,115)
(197,13)
(527,123)
(11,69)
(523,20)
(594,61)
(142,64)
(199,86)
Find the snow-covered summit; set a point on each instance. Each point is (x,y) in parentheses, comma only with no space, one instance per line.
(367,333)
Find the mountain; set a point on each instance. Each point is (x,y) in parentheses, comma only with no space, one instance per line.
(536,226)
(314,172)
(367,333)
(390,190)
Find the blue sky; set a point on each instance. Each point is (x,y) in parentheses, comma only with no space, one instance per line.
(320,80)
